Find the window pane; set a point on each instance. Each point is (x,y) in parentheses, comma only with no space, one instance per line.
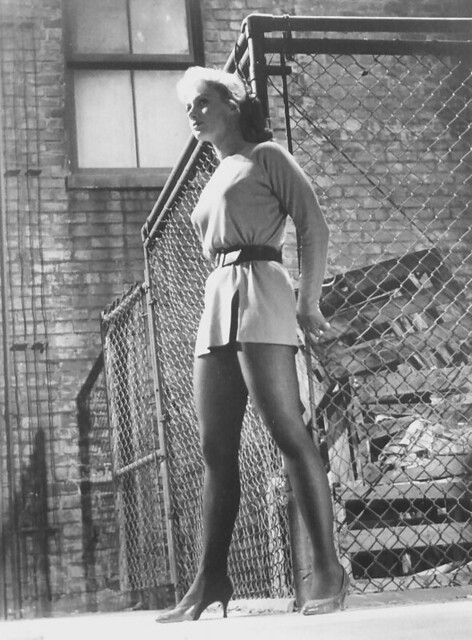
(162,124)
(99,26)
(159,26)
(104,118)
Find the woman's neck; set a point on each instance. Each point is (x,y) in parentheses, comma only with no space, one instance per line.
(229,145)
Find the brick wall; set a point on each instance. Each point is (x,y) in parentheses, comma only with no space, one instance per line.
(72,251)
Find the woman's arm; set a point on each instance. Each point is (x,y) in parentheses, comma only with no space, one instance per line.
(295,192)
(314,250)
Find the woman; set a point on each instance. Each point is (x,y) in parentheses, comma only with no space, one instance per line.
(247,338)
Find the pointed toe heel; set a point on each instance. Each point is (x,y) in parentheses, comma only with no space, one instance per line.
(328,605)
(192,610)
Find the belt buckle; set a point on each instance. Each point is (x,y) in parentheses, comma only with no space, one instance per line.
(231,257)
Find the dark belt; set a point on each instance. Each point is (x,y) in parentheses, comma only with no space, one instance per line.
(237,255)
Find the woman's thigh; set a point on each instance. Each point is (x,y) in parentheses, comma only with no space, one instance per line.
(270,374)
(220,396)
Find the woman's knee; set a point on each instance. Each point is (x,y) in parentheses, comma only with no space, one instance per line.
(217,450)
(290,435)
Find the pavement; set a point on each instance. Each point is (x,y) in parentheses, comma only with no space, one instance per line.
(417,615)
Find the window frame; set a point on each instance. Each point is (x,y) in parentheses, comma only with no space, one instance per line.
(140,177)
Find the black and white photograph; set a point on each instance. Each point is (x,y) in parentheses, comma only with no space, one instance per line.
(236,319)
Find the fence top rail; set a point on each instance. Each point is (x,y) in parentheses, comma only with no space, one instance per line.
(121,305)
(259,23)
(460,48)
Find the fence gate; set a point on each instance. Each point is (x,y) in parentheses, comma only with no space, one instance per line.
(135,450)
(378,113)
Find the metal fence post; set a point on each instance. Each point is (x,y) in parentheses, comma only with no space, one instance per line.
(161,424)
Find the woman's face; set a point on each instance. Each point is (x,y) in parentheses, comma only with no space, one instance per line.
(210,116)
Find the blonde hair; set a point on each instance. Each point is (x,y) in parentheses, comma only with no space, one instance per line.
(230,87)
(194,76)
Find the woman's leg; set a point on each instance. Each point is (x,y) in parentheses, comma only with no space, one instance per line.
(220,396)
(270,375)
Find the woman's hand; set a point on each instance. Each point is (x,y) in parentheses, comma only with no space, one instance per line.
(311,319)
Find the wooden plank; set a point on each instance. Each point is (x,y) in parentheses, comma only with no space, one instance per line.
(415,581)
(440,466)
(410,272)
(444,488)
(405,537)
(450,409)
(401,409)
(429,303)
(407,380)
(360,358)
(388,426)
(368,357)
(436,345)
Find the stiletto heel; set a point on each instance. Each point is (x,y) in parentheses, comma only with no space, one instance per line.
(328,605)
(220,592)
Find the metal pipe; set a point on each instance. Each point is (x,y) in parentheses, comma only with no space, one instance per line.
(160,210)
(157,380)
(266,23)
(14,538)
(257,62)
(301,552)
(137,464)
(353,46)
(169,187)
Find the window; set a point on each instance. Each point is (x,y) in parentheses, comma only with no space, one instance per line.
(124,59)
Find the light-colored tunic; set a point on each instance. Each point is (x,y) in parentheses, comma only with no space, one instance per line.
(246,202)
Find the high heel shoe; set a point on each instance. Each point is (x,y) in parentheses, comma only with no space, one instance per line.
(219,592)
(328,605)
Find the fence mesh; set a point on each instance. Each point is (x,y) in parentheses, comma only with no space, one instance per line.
(386,141)
(144,557)
(259,557)
(100,529)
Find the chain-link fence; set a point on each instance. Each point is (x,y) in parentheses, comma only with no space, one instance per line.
(382,127)
(384,132)
(135,449)
(100,530)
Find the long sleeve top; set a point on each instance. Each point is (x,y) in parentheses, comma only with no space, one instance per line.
(246,202)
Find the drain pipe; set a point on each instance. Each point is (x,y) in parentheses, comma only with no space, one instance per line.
(12,522)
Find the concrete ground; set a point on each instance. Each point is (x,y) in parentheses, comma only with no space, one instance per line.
(416,615)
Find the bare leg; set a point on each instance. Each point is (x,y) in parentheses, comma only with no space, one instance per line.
(270,375)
